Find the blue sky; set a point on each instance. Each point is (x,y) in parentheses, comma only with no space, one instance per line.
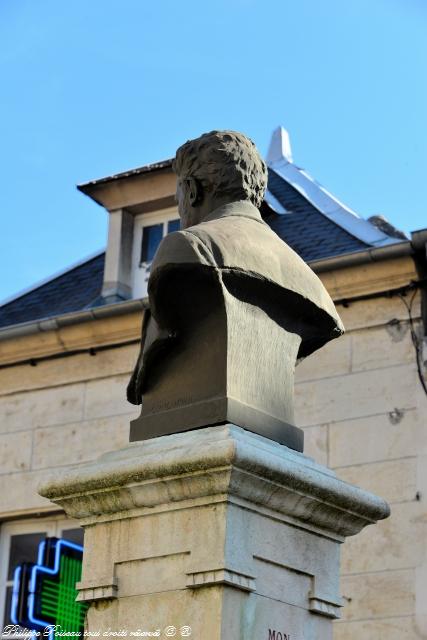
(94,87)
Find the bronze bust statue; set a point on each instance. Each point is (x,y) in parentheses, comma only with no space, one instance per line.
(232,307)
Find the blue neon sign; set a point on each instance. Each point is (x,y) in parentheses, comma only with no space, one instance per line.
(44,593)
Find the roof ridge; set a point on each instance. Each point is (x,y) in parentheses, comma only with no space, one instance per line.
(329,206)
(279,160)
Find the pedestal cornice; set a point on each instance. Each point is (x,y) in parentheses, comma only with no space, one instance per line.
(222,463)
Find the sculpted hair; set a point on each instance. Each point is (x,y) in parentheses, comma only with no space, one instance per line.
(225,162)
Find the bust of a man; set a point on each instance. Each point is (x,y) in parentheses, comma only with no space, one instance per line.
(232,307)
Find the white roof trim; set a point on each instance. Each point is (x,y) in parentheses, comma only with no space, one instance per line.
(280,146)
(40,283)
(274,204)
(319,197)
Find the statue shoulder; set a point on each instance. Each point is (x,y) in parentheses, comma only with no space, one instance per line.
(181,247)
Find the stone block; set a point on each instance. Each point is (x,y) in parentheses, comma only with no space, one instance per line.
(396,434)
(101,331)
(369,278)
(25,347)
(331,360)
(386,594)
(107,397)
(316,443)
(78,441)
(23,411)
(91,333)
(374,313)
(15,451)
(382,347)
(69,369)
(177,526)
(18,495)
(421,524)
(355,395)
(395,543)
(171,611)
(212,614)
(389,629)
(420,394)
(396,480)
(161,573)
(99,550)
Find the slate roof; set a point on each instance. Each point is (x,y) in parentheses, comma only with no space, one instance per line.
(310,233)
(74,290)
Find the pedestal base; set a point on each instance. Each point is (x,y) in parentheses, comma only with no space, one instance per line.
(217,534)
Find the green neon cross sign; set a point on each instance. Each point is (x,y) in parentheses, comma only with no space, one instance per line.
(44,593)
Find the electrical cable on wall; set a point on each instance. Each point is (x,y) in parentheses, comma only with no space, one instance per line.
(415,339)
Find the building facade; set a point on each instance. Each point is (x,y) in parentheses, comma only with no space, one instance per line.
(67,348)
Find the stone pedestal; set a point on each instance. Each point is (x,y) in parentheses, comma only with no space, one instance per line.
(215,534)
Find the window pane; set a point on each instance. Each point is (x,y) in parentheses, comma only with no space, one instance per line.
(23,548)
(174,225)
(7,619)
(7,607)
(73,535)
(151,238)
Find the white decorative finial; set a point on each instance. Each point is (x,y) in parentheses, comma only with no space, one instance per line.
(280,147)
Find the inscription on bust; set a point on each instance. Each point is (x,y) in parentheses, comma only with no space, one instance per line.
(278,635)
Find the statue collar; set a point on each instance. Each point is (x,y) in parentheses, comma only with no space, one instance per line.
(242,208)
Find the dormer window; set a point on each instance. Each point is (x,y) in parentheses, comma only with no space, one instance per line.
(152,235)
(149,230)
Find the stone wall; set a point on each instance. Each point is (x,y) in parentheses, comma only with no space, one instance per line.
(59,413)
(363,411)
(361,406)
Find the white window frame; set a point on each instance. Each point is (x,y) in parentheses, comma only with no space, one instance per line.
(141,270)
(53,526)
